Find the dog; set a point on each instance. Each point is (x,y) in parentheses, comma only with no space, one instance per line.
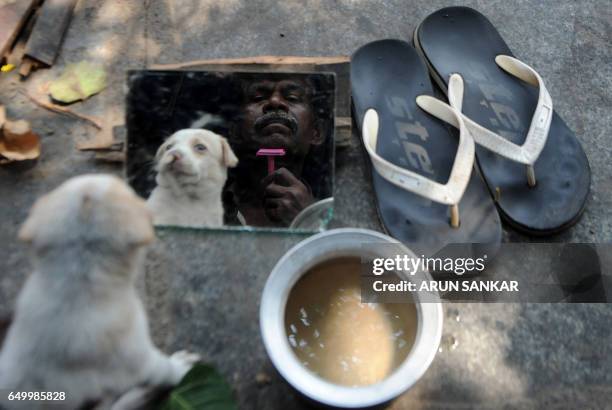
(191,170)
(79,326)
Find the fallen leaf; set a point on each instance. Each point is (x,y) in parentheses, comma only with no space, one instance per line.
(18,142)
(63,110)
(78,82)
(201,388)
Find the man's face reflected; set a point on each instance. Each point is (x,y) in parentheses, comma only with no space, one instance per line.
(278,114)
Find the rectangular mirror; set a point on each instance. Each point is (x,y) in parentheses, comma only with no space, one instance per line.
(213,149)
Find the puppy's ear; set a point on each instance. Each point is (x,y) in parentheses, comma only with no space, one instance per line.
(134,222)
(34,221)
(140,230)
(229,158)
(47,218)
(160,151)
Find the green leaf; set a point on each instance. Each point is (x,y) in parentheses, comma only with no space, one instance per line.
(78,82)
(203,388)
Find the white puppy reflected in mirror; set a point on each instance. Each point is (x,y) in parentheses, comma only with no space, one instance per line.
(191,170)
(79,325)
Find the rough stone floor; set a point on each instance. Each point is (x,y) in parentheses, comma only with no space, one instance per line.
(202,288)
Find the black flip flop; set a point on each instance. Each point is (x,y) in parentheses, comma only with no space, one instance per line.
(544,187)
(414,153)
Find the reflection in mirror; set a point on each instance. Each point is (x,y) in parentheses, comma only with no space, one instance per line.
(213,149)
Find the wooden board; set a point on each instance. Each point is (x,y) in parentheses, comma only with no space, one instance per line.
(48,32)
(336,64)
(256,60)
(12,18)
(15,55)
(105,139)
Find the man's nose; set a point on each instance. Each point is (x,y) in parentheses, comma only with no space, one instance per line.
(275,102)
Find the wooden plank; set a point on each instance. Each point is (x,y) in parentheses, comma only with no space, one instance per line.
(26,66)
(12,18)
(15,55)
(118,156)
(256,60)
(48,32)
(2,116)
(104,140)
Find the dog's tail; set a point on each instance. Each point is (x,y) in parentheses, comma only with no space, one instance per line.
(207,120)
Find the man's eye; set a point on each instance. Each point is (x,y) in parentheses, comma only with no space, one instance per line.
(293,98)
(168,147)
(257,98)
(200,147)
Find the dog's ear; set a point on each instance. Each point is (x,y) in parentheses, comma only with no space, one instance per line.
(28,229)
(140,229)
(160,151)
(229,158)
(47,220)
(133,220)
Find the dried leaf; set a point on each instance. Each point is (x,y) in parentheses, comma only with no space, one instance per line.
(63,110)
(18,142)
(78,82)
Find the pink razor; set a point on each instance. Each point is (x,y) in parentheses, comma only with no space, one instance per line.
(270,153)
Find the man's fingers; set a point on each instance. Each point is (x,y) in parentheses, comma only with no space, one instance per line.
(268,179)
(284,175)
(283,203)
(279,209)
(284,195)
(272,203)
(281,176)
(276,191)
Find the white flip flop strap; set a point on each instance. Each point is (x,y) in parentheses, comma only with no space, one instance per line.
(449,193)
(530,150)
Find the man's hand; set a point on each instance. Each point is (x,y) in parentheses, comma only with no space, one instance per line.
(284,196)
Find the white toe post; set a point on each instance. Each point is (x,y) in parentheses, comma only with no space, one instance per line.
(454,219)
(531,179)
(449,193)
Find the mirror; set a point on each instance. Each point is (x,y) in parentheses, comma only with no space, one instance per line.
(232,149)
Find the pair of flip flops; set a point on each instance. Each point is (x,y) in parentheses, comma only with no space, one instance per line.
(531,169)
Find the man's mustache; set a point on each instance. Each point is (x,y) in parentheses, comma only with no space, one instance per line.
(280,117)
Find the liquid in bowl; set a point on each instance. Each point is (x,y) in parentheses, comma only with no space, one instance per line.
(339,338)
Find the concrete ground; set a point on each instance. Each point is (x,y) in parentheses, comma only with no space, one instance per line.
(202,288)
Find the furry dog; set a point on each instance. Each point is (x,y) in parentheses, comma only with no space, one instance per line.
(191,170)
(79,325)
